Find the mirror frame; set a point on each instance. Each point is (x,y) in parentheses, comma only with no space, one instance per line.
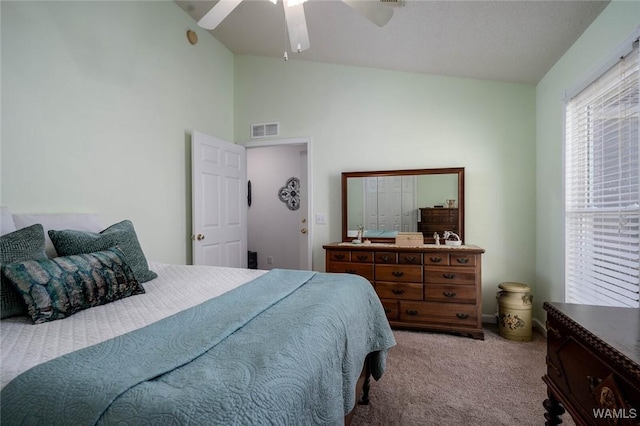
(428,239)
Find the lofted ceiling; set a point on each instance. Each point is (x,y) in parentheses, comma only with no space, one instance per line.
(510,40)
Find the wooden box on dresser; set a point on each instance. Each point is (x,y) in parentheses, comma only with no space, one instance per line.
(593,364)
(428,287)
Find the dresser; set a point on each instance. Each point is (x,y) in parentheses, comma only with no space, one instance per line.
(429,287)
(438,220)
(593,371)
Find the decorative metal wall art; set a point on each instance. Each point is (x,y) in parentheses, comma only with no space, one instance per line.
(290,193)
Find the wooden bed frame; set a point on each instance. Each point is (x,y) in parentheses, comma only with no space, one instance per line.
(362,390)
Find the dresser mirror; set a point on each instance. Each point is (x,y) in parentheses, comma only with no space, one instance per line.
(383,203)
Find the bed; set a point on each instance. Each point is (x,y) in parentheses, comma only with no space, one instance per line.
(200,345)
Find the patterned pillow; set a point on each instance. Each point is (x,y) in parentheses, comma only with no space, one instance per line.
(70,242)
(57,288)
(23,244)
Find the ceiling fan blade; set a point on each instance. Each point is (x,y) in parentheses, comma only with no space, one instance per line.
(297,27)
(217,13)
(374,11)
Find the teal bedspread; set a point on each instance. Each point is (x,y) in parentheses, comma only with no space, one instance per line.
(284,349)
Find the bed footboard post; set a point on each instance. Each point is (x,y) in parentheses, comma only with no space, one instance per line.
(366,384)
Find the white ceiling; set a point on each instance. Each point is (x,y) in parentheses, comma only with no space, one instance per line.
(513,41)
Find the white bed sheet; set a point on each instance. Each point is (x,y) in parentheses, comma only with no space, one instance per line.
(24,345)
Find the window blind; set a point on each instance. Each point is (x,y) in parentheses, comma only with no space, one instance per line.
(602,189)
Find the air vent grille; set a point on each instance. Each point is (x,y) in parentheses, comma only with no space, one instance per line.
(394,3)
(264,130)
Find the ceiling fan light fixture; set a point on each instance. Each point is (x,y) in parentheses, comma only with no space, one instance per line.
(296,24)
(297,27)
(292,3)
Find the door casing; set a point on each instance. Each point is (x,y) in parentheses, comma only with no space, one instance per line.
(308,143)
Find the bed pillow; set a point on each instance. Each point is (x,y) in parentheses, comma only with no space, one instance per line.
(89,222)
(23,244)
(57,288)
(122,234)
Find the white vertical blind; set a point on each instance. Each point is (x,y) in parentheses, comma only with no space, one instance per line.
(602,189)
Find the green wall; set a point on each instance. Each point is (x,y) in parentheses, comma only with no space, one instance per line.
(99,99)
(370,119)
(617,22)
(98,102)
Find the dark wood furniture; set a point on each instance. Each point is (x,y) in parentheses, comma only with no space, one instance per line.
(429,287)
(593,371)
(435,219)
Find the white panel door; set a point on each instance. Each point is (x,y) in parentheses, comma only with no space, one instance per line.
(409,203)
(371,203)
(219,193)
(390,203)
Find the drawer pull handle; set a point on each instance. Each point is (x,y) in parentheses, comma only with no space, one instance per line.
(462,316)
(411,259)
(435,259)
(350,271)
(397,291)
(397,274)
(449,293)
(463,260)
(449,276)
(386,258)
(555,331)
(339,256)
(363,257)
(411,312)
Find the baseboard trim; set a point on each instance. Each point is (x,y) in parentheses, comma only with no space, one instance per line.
(540,327)
(489,319)
(535,323)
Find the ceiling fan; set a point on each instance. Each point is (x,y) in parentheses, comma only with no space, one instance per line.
(374,10)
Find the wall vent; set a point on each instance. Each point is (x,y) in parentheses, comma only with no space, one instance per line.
(264,130)
(394,3)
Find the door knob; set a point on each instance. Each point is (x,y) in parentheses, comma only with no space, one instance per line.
(198,237)
(303,230)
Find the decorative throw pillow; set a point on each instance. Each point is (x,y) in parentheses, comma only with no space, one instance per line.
(23,244)
(57,288)
(122,234)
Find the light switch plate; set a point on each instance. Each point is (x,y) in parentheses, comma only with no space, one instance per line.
(321,219)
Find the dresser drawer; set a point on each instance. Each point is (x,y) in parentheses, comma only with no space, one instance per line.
(436,216)
(404,291)
(400,273)
(436,259)
(362,256)
(386,257)
(339,255)
(390,308)
(410,258)
(462,259)
(450,293)
(435,274)
(451,314)
(362,269)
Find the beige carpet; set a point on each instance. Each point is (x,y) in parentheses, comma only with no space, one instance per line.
(446,380)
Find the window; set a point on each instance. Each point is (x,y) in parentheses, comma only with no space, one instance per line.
(602,188)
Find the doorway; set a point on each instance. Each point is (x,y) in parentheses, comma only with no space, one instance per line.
(279,229)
